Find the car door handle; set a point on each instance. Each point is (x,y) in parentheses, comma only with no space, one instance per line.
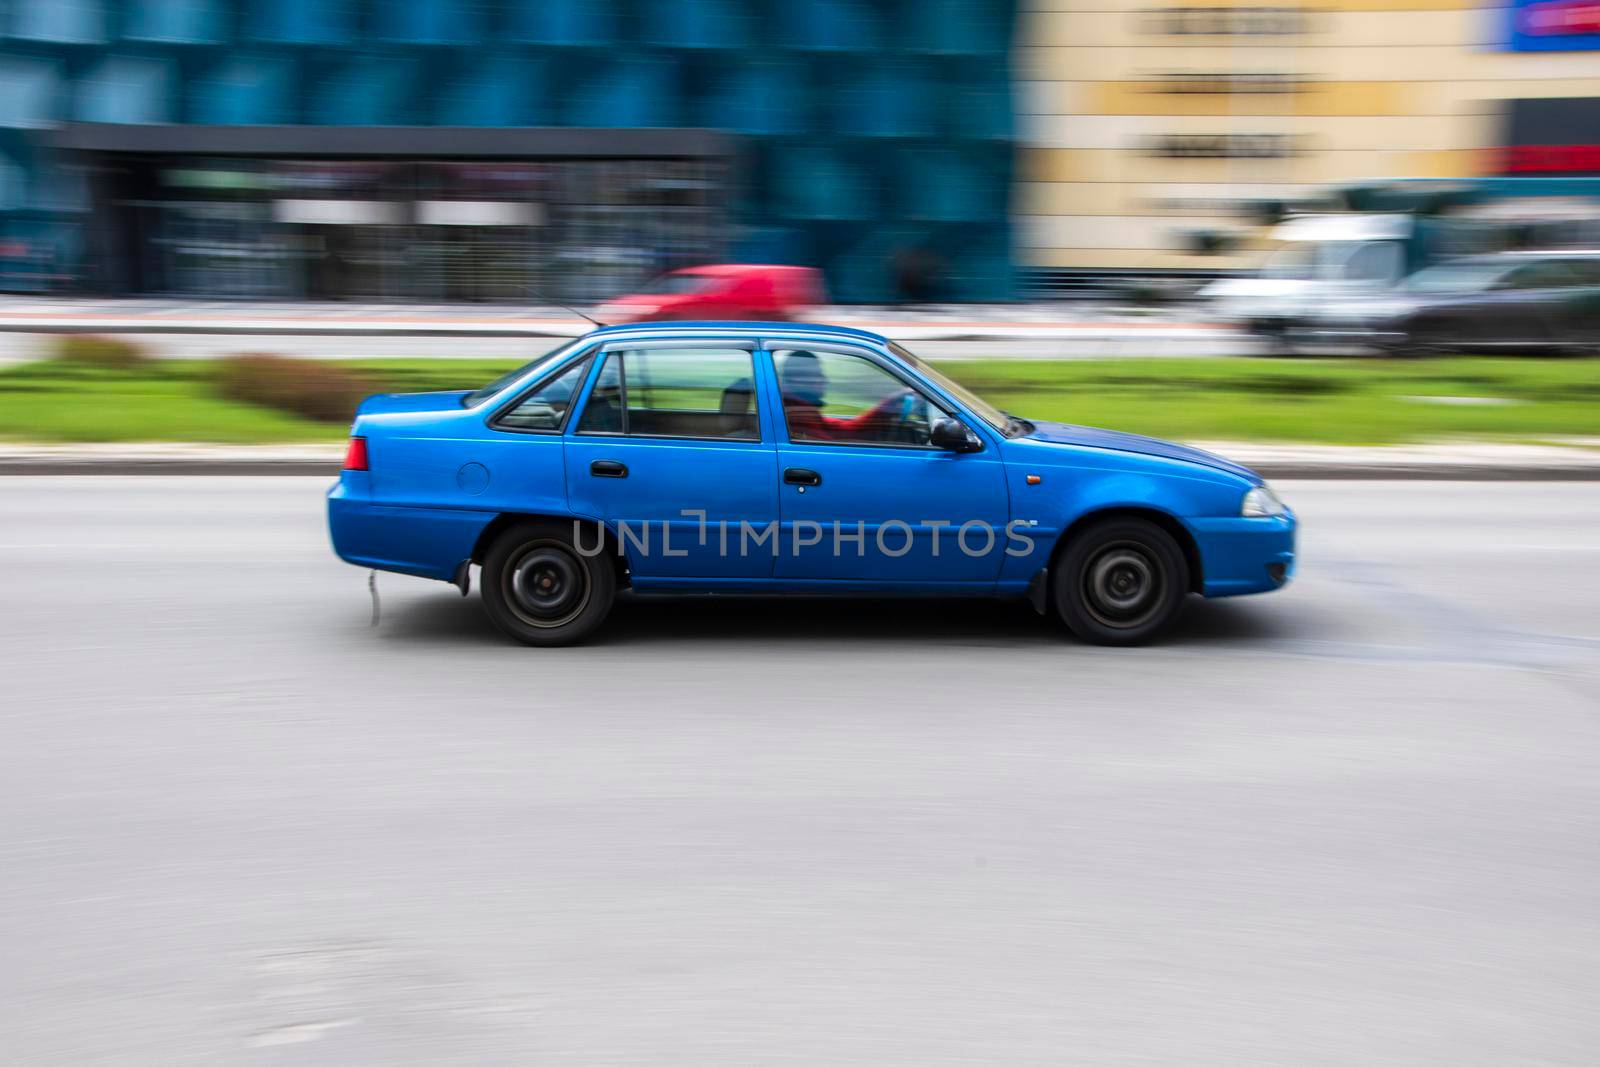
(801,476)
(608,468)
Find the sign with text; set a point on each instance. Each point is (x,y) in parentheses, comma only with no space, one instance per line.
(1554,25)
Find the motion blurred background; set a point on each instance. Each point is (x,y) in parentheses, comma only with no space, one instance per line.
(458,149)
(913,150)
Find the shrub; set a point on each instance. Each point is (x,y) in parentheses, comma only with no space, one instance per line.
(91,350)
(301,387)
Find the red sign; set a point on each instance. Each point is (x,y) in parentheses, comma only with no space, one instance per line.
(1550,158)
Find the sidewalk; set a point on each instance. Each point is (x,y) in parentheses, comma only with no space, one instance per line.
(1577,461)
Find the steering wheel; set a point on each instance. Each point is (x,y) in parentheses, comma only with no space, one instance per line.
(903,416)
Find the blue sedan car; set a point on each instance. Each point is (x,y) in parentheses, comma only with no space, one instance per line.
(775,458)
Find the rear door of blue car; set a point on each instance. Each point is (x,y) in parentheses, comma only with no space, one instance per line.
(669,449)
(865,497)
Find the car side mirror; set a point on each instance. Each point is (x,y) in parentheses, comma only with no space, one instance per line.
(953,435)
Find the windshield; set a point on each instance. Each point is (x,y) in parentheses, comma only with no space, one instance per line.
(980,407)
(679,283)
(473,399)
(1371,261)
(1294,261)
(1462,276)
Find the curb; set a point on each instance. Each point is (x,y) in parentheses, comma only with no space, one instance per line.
(1401,472)
(228,467)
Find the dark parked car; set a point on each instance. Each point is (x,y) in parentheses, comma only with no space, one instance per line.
(1533,302)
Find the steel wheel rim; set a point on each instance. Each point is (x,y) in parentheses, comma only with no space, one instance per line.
(546,585)
(1124,585)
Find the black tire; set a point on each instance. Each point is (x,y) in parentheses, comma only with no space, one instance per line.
(1121,582)
(539,589)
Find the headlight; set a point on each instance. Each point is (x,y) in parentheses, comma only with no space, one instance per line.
(1261,503)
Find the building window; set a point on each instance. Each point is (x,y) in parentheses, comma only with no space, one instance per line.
(301,21)
(125,89)
(58,21)
(175,21)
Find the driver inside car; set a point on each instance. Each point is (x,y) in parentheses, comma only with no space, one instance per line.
(805,391)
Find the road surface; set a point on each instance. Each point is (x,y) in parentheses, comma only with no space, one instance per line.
(1357,821)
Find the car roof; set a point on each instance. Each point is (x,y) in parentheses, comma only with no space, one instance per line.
(656,329)
(738,268)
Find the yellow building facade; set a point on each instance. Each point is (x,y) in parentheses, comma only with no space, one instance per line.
(1143,124)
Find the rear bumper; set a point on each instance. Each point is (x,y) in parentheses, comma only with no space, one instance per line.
(1239,556)
(426,542)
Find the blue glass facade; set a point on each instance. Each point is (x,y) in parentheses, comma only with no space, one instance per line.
(872,138)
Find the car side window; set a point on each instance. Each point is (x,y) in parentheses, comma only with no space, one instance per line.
(1375,261)
(544,409)
(1551,274)
(675,392)
(840,398)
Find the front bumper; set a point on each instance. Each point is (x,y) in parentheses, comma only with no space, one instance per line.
(1239,555)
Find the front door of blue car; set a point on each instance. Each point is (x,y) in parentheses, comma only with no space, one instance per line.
(865,496)
(668,449)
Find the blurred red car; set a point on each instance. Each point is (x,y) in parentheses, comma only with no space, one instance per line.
(722,291)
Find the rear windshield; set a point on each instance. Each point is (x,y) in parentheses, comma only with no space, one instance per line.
(473,399)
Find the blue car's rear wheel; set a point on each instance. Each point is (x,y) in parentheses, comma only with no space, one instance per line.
(1121,582)
(539,589)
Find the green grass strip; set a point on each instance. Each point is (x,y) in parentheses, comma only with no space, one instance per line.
(1335,401)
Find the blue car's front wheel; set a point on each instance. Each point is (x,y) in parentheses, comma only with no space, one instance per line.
(539,589)
(1121,582)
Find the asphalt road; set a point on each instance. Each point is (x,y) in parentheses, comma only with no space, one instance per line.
(1354,822)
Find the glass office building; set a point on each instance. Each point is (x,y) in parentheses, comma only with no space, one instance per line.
(471,149)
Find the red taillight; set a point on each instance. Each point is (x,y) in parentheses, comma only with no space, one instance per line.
(355,457)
